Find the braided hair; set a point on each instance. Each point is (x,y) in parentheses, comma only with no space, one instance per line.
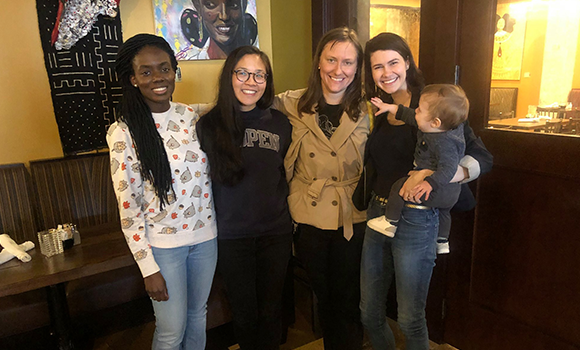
(135,112)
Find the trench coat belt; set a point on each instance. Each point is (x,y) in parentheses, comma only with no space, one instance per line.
(316,186)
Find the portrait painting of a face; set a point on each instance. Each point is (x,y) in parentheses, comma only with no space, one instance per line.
(206,29)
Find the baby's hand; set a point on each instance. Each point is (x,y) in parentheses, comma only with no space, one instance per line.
(384,107)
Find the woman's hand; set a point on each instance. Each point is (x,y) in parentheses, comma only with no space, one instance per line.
(155,287)
(408,190)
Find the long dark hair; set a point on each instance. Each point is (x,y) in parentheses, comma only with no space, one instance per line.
(391,41)
(221,130)
(351,101)
(135,112)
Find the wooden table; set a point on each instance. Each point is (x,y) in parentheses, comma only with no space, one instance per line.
(513,123)
(103,249)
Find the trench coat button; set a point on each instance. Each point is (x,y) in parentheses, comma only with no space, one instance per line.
(313,203)
(335,203)
(333,154)
(313,179)
(334,178)
(311,154)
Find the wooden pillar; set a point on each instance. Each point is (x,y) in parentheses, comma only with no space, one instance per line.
(329,14)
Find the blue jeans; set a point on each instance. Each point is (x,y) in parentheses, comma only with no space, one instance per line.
(188,272)
(410,256)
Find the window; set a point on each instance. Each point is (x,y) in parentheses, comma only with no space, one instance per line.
(535,84)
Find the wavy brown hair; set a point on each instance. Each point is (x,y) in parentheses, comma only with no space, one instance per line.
(351,101)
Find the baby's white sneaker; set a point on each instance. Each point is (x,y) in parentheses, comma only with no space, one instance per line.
(382,225)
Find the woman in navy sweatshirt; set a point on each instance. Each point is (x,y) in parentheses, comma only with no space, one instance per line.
(246,141)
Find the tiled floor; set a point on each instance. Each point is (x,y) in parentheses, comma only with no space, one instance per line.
(300,334)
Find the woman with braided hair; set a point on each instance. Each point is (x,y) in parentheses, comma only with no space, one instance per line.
(162,185)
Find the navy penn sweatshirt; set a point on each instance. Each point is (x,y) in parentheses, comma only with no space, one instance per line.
(257,205)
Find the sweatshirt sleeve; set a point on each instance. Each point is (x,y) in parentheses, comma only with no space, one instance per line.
(280,101)
(447,160)
(407,115)
(128,185)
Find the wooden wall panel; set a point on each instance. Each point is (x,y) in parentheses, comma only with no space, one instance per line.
(475,57)
(535,152)
(527,252)
(438,48)
(519,288)
(329,14)
(437,60)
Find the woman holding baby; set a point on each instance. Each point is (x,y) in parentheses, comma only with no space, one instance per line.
(407,258)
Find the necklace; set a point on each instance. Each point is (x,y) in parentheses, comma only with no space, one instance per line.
(501,37)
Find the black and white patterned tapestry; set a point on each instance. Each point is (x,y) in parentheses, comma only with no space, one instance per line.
(83,82)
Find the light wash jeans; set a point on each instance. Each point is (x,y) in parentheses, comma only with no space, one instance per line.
(188,271)
(410,256)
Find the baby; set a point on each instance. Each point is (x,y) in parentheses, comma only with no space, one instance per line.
(440,146)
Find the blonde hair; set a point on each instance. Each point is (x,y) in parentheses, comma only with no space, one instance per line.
(448,103)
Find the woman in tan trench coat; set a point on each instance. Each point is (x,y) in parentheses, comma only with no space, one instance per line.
(323,164)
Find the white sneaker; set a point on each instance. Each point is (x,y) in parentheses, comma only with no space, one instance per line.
(382,225)
(442,246)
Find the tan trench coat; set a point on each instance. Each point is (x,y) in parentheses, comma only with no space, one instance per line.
(323,173)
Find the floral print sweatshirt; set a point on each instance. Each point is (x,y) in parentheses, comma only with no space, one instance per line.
(189,217)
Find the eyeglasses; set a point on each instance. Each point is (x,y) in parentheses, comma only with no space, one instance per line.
(243,76)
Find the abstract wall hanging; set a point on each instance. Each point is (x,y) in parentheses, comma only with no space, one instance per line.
(83,82)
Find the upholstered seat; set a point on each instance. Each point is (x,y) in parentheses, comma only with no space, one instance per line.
(76,189)
(27,310)
(502,103)
(16,214)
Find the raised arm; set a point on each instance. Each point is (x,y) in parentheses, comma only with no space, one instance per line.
(407,115)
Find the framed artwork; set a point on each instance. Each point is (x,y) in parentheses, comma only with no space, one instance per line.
(508,45)
(206,29)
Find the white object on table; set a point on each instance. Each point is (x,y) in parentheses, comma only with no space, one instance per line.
(14,249)
(528,120)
